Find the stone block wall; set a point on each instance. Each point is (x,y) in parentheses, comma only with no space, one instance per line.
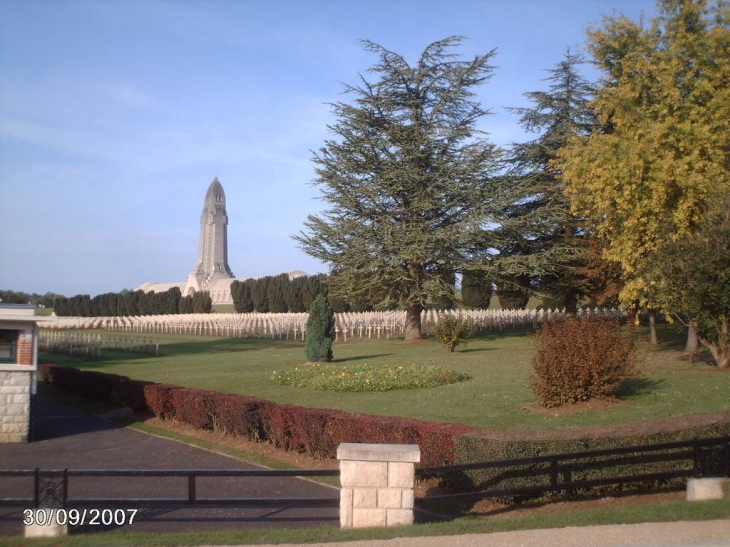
(377,484)
(15,389)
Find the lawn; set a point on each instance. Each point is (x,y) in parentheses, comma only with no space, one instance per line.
(497,396)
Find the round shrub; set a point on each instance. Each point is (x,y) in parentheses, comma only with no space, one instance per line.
(581,359)
(366,377)
(451,331)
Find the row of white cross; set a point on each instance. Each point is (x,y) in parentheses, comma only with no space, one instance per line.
(92,344)
(294,325)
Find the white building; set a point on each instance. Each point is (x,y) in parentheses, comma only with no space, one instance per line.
(18,369)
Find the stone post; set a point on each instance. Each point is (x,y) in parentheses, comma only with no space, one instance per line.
(377,484)
(51,488)
(708,489)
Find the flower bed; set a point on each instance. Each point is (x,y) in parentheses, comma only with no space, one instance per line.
(333,377)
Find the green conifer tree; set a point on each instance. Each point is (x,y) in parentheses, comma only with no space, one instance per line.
(241,292)
(186,304)
(202,302)
(259,294)
(295,295)
(541,237)
(476,290)
(320,331)
(276,293)
(407,180)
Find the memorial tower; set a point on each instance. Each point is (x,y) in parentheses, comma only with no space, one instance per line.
(211,272)
(212,262)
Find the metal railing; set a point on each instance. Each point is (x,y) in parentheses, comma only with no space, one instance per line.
(694,458)
(51,488)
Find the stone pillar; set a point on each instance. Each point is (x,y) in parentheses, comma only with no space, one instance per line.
(15,390)
(377,484)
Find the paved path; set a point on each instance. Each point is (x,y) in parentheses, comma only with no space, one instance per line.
(666,534)
(68,438)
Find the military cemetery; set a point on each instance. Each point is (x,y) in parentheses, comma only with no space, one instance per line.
(514,337)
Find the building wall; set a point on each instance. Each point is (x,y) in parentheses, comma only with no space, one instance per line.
(17,379)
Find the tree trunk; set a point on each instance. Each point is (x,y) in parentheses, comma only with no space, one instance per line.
(571,305)
(720,348)
(653,336)
(693,341)
(413,323)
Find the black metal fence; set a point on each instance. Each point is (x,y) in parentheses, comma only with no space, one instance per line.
(694,458)
(51,487)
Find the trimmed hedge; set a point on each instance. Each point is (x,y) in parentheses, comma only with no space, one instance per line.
(315,431)
(319,431)
(100,386)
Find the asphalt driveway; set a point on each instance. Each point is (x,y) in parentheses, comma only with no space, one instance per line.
(68,438)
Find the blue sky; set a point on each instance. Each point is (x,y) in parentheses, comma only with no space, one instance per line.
(116,115)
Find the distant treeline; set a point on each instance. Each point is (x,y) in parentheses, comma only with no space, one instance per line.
(279,294)
(128,303)
(20,297)
(270,294)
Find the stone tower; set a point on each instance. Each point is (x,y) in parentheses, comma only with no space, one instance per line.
(212,263)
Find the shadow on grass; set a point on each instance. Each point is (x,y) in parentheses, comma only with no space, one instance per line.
(636,386)
(361,357)
(671,337)
(110,357)
(473,350)
(228,345)
(511,332)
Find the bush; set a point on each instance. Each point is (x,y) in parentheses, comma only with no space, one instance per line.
(581,359)
(320,331)
(451,331)
(159,400)
(239,415)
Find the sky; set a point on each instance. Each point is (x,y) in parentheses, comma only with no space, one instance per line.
(116,115)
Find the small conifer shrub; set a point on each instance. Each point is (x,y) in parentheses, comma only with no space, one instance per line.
(581,359)
(320,331)
(451,331)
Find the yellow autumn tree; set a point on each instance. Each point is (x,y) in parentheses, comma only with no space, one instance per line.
(663,150)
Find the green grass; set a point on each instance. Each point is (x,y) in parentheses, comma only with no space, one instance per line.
(661,512)
(496,396)
(224,308)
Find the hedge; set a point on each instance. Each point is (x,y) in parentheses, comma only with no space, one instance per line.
(488,445)
(100,386)
(319,431)
(315,431)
